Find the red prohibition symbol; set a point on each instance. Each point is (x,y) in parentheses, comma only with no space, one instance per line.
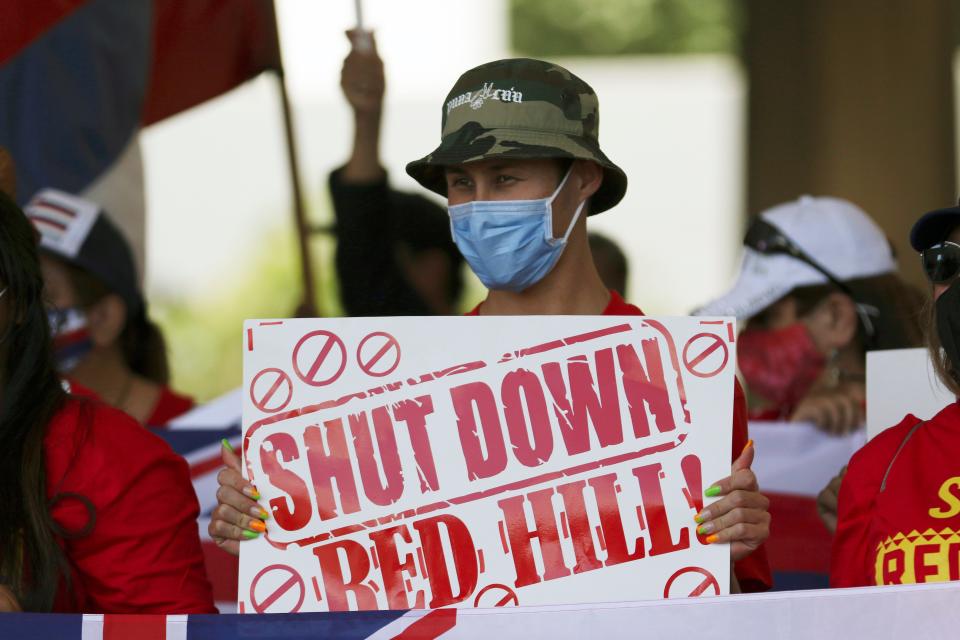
(500,595)
(699,358)
(378,354)
(319,358)
(277,583)
(694,583)
(271,390)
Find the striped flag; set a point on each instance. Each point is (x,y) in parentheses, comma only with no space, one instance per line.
(913,611)
(81,78)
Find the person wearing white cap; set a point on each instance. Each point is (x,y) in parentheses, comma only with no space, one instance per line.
(817,288)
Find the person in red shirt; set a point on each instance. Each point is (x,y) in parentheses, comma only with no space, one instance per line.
(522,169)
(99,514)
(103,336)
(898,518)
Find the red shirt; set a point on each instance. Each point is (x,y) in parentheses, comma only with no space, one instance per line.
(909,530)
(753,572)
(142,551)
(170,404)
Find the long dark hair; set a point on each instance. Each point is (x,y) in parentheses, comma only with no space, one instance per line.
(141,342)
(31,562)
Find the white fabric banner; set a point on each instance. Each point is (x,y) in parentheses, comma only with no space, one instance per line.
(875,613)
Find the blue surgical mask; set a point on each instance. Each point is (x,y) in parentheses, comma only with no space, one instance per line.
(509,244)
(71,337)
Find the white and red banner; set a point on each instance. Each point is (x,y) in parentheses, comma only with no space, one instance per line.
(432,462)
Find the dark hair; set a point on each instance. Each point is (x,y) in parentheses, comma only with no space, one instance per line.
(897,324)
(941,362)
(606,253)
(421,225)
(31,561)
(142,343)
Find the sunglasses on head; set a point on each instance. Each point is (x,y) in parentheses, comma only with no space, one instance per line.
(941,262)
(766,239)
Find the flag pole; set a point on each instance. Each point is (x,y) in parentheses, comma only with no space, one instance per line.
(309,306)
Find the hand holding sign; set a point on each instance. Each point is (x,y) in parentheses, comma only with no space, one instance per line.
(237,516)
(741,517)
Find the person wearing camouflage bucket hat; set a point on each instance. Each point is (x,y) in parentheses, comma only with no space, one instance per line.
(519,162)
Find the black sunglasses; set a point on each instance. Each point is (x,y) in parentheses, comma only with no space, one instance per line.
(767,239)
(941,262)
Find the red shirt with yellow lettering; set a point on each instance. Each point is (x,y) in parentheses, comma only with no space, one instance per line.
(753,572)
(898,520)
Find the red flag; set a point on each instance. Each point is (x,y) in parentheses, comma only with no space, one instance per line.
(23,22)
(203,48)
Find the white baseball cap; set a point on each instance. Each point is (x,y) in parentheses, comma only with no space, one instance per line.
(834,233)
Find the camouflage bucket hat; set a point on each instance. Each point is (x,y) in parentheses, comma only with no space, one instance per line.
(520,108)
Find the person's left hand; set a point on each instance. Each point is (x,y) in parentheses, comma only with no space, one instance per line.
(828,500)
(8,601)
(742,516)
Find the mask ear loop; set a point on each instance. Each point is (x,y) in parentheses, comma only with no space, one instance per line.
(576,216)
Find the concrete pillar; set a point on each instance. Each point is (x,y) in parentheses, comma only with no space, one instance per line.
(853,98)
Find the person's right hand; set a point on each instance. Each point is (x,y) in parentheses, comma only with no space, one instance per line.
(8,601)
(836,411)
(362,77)
(827,501)
(237,516)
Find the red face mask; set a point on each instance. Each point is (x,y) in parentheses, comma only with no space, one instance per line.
(781,365)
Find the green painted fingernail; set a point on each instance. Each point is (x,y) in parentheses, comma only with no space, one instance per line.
(250,535)
(702,529)
(713,491)
(227,444)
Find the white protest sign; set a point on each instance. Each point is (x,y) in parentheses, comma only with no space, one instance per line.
(902,381)
(431,462)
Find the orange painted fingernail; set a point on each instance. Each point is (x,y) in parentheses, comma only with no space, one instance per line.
(258,525)
(747,446)
(251,492)
(712,539)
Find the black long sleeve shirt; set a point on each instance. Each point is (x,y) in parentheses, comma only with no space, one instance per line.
(371,278)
